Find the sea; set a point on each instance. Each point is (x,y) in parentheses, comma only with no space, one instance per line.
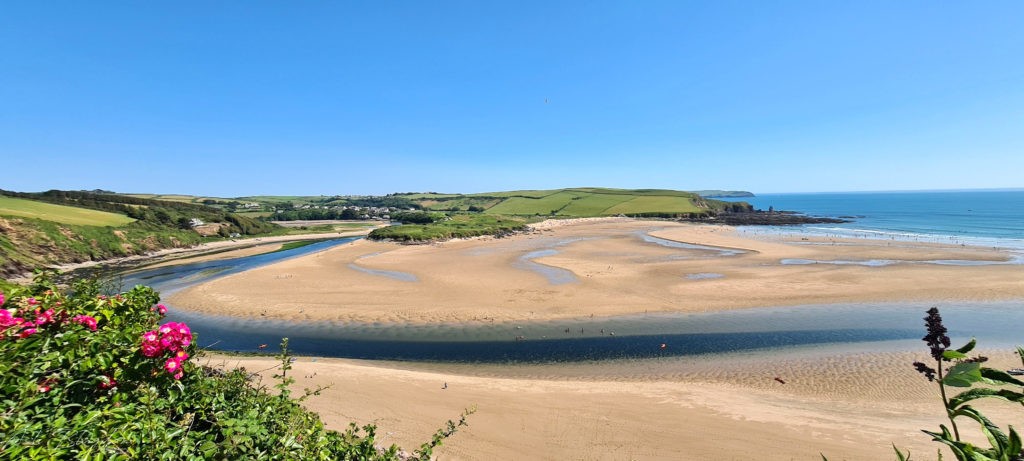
(991,218)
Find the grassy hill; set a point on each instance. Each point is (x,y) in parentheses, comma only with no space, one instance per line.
(499,213)
(573,203)
(11,206)
(60,227)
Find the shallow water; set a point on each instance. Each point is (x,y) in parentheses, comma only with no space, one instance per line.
(394,275)
(704,276)
(554,275)
(624,337)
(719,251)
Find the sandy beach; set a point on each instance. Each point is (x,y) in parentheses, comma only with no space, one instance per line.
(848,402)
(600,268)
(848,406)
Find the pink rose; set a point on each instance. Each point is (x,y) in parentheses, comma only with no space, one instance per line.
(85,320)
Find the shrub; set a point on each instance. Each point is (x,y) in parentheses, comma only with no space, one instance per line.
(90,376)
(954,368)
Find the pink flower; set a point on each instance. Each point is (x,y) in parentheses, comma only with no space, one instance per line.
(1,298)
(44,318)
(160,309)
(32,301)
(181,356)
(172,336)
(7,319)
(107,382)
(170,343)
(172,365)
(85,320)
(151,344)
(27,332)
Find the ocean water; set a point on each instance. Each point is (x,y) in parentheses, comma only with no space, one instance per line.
(993,218)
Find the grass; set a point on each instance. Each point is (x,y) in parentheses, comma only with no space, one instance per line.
(31,244)
(293,245)
(459,226)
(519,193)
(594,205)
(254,214)
(59,213)
(654,204)
(585,202)
(534,206)
(462,203)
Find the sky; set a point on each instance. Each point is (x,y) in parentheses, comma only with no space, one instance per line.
(236,98)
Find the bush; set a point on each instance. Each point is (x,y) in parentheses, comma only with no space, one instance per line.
(90,376)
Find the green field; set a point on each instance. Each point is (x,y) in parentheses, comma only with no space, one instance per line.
(654,204)
(546,205)
(584,202)
(519,193)
(11,206)
(170,197)
(254,214)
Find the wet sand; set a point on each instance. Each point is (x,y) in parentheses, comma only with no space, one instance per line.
(600,268)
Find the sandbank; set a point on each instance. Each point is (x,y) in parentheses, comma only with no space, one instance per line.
(613,267)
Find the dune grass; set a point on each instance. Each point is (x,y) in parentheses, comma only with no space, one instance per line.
(19,207)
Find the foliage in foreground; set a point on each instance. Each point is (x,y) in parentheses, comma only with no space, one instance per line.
(95,377)
(966,372)
(955,368)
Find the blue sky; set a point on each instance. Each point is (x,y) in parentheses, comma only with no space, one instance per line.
(296,98)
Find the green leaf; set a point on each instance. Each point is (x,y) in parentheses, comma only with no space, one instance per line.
(968,347)
(963,374)
(900,455)
(977,393)
(1015,442)
(999,441)
(947,438)
(1000,377)
(953,355)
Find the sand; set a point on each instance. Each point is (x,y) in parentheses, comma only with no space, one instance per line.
(612,271)
(847,402)
(846,406)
